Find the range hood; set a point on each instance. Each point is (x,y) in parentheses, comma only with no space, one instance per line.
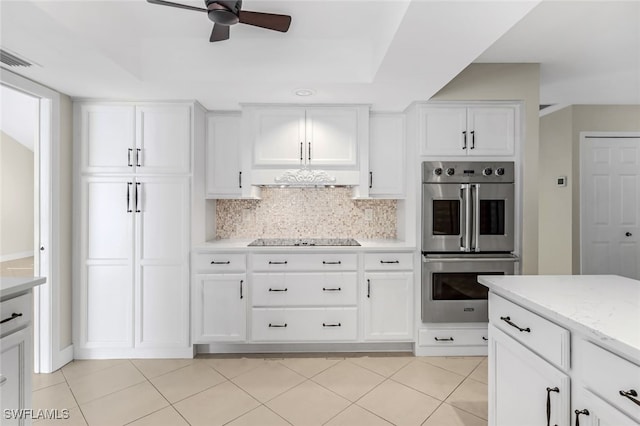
(305,177)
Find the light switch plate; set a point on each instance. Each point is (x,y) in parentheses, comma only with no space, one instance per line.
(368,214)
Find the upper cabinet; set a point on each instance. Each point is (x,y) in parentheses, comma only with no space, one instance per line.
(479,130)
(387,155)
(295,136)
(223,151)
(127,138)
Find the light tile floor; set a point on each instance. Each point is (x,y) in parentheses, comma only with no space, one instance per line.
(299,390)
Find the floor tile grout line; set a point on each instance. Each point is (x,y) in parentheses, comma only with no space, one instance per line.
(448,371)
(373,371)
(75,399)
(432,413)
(319,372)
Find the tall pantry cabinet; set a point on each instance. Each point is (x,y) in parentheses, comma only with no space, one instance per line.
(132,230)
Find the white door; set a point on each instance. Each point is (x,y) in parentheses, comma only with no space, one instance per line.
(386,155)
(278,136)
(610,205)
(331,137)
(224,175)
(527,391)
(491,131)
(443,131)
(388,301)
(106,289)
(162,276)
(220,308)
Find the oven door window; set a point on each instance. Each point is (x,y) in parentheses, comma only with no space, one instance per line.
(459,286)
(492,217)
(446,217)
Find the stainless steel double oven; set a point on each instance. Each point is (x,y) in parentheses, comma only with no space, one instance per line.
(467,230)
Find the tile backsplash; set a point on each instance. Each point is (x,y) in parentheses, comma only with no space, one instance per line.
(306,213)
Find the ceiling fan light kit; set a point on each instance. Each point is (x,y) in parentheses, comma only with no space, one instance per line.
(227,13)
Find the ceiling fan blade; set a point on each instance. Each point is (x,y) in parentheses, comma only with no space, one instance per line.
(266,20)
(178,5)
(219,33)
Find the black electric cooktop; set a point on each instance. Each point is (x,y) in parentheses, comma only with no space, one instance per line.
(269,242)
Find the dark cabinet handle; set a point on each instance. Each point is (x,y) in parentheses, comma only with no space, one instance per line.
(277,263)
(628,234)
(136,196)
(339,262)
(129,197)
(332,325)
(448,339)
(464,140)
(241,282)
(331,289)
(473,139)
(129,151)
(278,289)
(578,412)
(239,179)
(549,390)
(12,317)
(138,152)
(213,262)
(389,261)
(368,287)
(484,338)
(508,321)
(309,151)
(631,393)
(370,180)
(301,152)
(277,325)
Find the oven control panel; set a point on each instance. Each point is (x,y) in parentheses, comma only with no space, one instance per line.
(467,172)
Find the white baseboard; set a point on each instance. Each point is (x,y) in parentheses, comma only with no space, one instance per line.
(450,351)
(130,353)
(64,357)
(14,256)
(253,348)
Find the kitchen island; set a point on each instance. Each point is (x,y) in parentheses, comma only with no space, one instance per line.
(563,350)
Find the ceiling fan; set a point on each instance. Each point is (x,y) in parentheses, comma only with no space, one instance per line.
(227,13)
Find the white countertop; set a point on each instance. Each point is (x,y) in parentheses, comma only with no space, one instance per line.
(365,245)
(604,308)
(10,286)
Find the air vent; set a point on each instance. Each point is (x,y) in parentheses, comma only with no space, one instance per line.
(12,60)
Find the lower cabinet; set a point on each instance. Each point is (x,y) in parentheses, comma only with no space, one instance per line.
(220,308)
(526,389)
(590,410)
(388,306)
(15,376)
(304,324)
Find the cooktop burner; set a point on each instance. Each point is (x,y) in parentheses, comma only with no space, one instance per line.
(304,242)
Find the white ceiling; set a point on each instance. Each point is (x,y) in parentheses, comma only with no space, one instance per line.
(384,52)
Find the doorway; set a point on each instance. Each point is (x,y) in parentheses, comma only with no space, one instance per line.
(610,204)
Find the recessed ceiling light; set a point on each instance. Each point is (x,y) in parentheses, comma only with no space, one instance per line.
(305,92)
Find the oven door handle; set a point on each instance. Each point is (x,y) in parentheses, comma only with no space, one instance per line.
(426,259)
(465,239)
(474,190)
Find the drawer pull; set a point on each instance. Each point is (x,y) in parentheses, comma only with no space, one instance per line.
(630,394)
(484,338)
(447,339)
(213,262)
(12,317)
(278,289)
(332,263)
(3,380)
(368,288)
(508,321)
(332,325)
(389,261)
(277,263)
(331,289)
(578,412)
(549,390)
(277,325)
(241,282)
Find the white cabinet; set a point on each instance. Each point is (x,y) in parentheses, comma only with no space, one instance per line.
(220,308)
(590,410)
(223,151)
(525,389)
(128,138)
(387,155)
(287,137)
(482,130)
(15,375)
(134,263)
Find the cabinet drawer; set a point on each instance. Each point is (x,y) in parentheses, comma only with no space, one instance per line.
(453,337)
(219,262)
(305,262)
(300,324)
(606,374)
(539,334)
(304,289)
(388,261)
(16,313)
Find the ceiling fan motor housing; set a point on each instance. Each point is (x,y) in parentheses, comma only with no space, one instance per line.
(224,12)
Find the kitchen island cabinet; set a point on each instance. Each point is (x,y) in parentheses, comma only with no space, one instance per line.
(564,345)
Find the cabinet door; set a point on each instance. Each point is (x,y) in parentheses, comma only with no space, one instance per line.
(386,155)
(106,277)
(162,259)
(16,366)
(388,306)
(331,137)
(443,131)
(107,138)
(524,387)
(219,308)
(163,139)
(492,131)
(594,411)
(224,175)
(278,136)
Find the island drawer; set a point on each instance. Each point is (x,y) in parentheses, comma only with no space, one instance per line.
(219,262)
(304,289)
(388,261)
(548,339)
(304,324)
(15,313)
(609,376)
(453,337)
(305,262)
